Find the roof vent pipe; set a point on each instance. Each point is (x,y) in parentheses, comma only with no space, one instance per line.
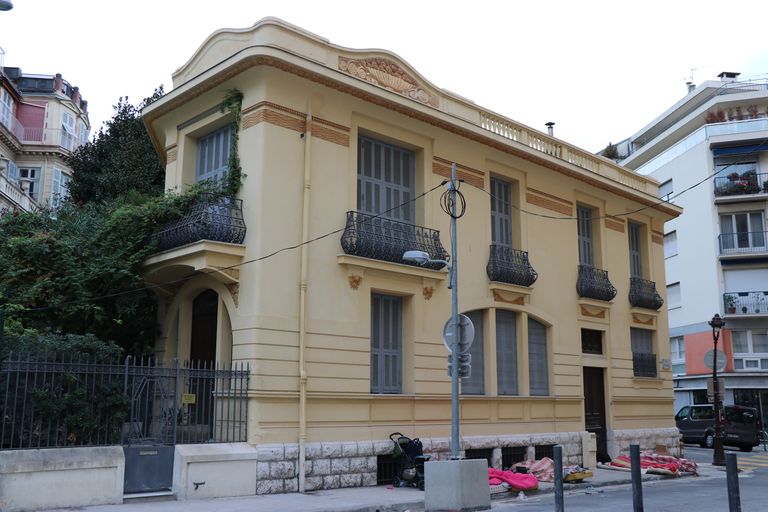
(550,127)
(691,86)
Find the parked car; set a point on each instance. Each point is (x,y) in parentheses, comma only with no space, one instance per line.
(741,426)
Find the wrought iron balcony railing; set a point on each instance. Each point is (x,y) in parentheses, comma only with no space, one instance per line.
(593,283)
(643,294)
(210,217)
(381,238)
(644,365)
(746,242)
(746,303)
(741,184)
(511,266)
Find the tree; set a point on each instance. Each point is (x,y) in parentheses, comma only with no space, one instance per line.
(119,160)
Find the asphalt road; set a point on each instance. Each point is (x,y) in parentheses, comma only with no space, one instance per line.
(705,494)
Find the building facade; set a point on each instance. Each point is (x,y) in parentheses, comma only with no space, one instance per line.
(42,120)
(345,153)
(710,154)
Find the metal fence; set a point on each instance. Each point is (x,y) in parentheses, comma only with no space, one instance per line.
(60,400)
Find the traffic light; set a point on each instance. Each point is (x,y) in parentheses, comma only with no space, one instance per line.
(465,365)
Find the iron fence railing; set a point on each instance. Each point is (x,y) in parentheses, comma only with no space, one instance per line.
(644,364)
(511,266)
(55,400)
(746,303)
(746,242)
(210,217)
(593,283)
(381,238)
(736,184)
(643,294)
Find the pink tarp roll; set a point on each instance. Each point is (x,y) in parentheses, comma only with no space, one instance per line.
(518,481)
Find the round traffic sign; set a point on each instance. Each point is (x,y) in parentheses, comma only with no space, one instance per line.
(466,334)
(710,356)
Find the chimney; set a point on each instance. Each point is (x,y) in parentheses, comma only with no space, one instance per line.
(728,76)
(691,86)
(58,83)
(76,95)
(550,128)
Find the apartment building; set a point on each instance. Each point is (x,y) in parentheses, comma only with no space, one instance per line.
(345,153)
(709,151)
(42,120)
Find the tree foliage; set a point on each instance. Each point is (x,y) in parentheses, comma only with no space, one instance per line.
(119,160)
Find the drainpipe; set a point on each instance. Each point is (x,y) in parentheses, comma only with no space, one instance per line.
(303,301)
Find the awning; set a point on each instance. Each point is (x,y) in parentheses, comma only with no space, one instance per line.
(740,150)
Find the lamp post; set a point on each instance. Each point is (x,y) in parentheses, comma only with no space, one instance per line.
(718,458)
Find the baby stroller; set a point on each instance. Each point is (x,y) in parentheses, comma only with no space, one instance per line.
(409,460)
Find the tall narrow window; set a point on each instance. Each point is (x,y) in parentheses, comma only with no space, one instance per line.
(506,352)
(673,296)
(475,384)
(635,255)
(670,244)
(643,358)
(586,245)
(386,344)
(59,187)
(501,212)
(67,129)
(537,358)
(677,351)
(213,154)
(30,180)
(385,179)
(6,107)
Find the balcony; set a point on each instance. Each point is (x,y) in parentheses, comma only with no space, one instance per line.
(746,303)
(745,244)
(507,265)
(593,283)
(643,294)
(380,238)
(644,365)
(211,217)
(738,185)
(13,194)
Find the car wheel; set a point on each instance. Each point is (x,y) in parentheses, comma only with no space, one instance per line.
(746,447)
(709,440)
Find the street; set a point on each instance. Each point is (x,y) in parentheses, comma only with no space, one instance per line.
(681,494)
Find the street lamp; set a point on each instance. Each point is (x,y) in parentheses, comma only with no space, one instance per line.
(718,458)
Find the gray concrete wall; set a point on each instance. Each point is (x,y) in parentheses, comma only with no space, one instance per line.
(61,477)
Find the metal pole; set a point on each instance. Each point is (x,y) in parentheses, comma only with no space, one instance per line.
(558,453)
(732,475)
(718,457)
(455,448)
(637,482)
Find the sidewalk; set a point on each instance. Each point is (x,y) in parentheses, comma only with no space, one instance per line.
(360,499)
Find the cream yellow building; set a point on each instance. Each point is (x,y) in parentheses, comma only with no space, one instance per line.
(558,254)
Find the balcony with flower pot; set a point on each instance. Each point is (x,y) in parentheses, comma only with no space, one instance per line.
(741,187)
(746,304)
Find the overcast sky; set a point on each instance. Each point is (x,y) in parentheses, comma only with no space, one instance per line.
(599,70)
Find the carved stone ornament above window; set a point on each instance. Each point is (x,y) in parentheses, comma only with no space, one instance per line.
(389,75)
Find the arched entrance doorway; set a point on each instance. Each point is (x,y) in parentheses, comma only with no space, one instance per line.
(202,348)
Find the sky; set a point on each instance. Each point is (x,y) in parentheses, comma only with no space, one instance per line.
(601,70)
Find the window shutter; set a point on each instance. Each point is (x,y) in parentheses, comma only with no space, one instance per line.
(55,187)
(501,214)
(506,352)
(385,179)
(635,259)
(537,358)
(475,384)
(584,222)
(386,344)
(642,341)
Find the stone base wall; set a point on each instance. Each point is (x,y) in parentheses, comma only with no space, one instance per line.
(354,464)
(648,439)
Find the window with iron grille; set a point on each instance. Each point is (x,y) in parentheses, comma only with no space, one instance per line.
(591,341)
(480,453)
(545,450)
(385,179)
(501,212)
(213,154)
(635,254)
(385,469)
(506,352)
(475,384)
(386,343)
(643,358)
(586,243)
(512,455)
(537,358)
